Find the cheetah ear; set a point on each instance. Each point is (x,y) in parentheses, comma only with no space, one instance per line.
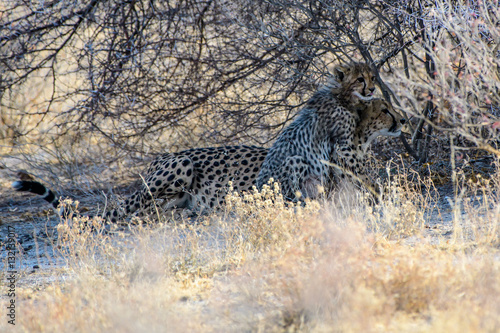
(340,72)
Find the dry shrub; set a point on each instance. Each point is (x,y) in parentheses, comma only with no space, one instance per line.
(461,81)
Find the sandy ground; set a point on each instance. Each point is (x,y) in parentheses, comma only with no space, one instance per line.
(35,228)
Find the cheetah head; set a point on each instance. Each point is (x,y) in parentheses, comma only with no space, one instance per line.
(376,119)
(356,82)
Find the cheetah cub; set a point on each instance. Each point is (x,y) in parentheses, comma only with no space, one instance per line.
(325,130)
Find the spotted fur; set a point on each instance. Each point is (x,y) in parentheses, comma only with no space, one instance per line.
(195,179)
(326,131)
(377,118)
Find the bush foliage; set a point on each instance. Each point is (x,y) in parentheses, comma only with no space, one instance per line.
(131,71)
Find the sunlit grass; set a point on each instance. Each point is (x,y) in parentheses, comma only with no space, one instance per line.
(262,265)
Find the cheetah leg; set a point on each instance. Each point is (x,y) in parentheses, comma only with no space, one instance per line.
(298,179)
(353,167)
(169,179)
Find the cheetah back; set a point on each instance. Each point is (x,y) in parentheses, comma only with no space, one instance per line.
(196,179)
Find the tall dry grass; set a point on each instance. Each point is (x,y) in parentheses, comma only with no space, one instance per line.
(260,265)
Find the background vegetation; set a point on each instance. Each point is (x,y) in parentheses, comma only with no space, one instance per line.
(148,76)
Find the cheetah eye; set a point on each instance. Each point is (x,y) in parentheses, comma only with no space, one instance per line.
(361,79)
(373,78)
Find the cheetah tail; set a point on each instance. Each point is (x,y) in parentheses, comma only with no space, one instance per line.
(37,188)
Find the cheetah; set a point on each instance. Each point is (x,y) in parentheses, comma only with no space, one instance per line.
(325,130)
(377,118)
(196,180)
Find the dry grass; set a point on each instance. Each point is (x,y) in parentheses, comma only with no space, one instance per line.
(262,266)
